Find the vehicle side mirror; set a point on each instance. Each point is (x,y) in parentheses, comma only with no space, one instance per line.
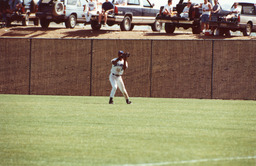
(153,4)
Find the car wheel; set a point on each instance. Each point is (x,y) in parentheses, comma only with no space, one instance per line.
(126,24)
(169,28)
(248,30)
(44,23)
(95,26)
(132,26)
(157,26)
(71,22)
(8,22)
(36,22)
(25,20)
(196,30)
(58,9)
(221,31)
(227,33)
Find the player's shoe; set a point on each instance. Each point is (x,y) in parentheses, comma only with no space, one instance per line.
(128,101)
(111,100)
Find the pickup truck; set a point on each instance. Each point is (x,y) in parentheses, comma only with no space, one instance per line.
(193,21)
(24,14)
(244,22)
(136,12)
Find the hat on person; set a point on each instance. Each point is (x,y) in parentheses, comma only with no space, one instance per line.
(120,52)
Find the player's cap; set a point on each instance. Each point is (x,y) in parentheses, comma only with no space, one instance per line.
(120,52)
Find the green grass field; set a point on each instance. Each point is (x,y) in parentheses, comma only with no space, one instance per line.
(87,131)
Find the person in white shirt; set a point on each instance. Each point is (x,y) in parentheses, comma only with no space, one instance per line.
(234,12)
(167,10)
(92,9)
(185,12)
(119,65)
(207,8)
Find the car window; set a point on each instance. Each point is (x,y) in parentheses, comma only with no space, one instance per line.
(71,2)
(248,10)
(146,3)
(79,3)
(133,2)
(45,1)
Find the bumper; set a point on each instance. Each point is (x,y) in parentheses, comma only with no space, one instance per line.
(49,16)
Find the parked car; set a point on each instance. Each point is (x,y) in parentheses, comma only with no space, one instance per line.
(24,14)
(244,22)
(70,12)
(136,12)
(176,21)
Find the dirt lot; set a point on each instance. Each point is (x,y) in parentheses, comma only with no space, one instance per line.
(80,31)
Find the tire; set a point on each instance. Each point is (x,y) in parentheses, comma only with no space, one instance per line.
(169,28)
(36,22)
(132,26)
(126,24)
(58,9)
(221,32)
(248,30)
(44,23)
(156,27)
(71,22)
(25,20)
(227,33)
(196,30)
(95,26)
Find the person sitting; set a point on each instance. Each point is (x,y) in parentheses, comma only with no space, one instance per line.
(121,2)
(234,12)
(185,12)
(14,5)
(167,10)
(92,8)
(107,8)
(216,8)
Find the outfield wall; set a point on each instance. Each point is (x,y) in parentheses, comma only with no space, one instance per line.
(205,69)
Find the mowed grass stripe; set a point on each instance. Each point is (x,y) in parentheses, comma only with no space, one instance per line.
(68,130)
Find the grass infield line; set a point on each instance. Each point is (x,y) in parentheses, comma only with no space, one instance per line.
(191,161)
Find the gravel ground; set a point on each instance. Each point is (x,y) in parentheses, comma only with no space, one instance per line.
(114,32)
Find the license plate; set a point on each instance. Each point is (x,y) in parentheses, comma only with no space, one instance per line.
(223,25)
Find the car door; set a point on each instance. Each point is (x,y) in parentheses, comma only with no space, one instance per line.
(80,10)
(135,8)
(148,12)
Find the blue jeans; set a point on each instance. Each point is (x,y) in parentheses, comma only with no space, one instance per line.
(205,18)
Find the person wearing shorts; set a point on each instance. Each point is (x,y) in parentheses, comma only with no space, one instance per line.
(207,8)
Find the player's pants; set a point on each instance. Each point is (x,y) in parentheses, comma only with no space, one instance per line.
(117,82)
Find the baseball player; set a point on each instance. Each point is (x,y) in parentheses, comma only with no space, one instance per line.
(118,67)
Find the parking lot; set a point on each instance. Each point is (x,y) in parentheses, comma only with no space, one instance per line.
(113,32)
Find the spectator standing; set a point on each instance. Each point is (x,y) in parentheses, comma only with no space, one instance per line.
(207,8)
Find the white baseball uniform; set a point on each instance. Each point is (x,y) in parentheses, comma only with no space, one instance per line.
(115,78)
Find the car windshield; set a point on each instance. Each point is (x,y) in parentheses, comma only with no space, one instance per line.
(48,1)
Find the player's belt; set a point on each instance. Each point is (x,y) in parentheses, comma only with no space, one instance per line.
(115,75)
